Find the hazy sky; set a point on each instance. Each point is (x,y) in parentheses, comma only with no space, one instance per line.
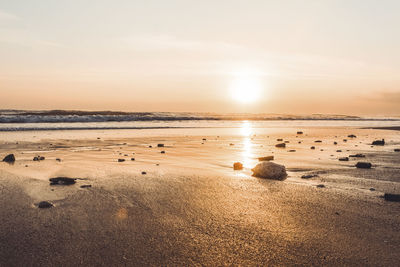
(311,56)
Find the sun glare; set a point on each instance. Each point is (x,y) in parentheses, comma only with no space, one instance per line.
(246,88)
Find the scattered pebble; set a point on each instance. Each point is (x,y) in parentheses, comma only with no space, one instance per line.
(44,205)
(344,159)
(160,145)
(363,165)
(313,147)
(144,173)
(121,160)
(308,176)
(86,186)
(62,181)
(267,158)
(320,186)
(392,197)
(237,166)
(282,145)
(378,142)
(9,158)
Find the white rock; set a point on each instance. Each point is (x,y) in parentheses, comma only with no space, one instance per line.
(270,170)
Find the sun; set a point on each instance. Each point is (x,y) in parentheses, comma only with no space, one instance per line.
(246,88)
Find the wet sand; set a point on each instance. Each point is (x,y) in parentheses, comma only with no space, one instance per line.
(192,208)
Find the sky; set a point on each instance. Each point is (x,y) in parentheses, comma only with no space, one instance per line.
(256,56)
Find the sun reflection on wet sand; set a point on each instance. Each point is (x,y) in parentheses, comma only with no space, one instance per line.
(247,153)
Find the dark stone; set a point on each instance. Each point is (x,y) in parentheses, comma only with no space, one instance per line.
(299,132)
(397,150)
(344,159)
(357,156)
(344,140)
(338,150)
(44,205)
(231,144)
(267,158)
(58,159)
(392,197)
(363,165)
(150,146)
(163,152)
(279,139)
(132,159)
(237,166)
(286,142)
(335,143)
(62,181)
(204,139)
(280,145)
(320,186)
(318,141)
(160,145)
(351,136)
(378,142)
(308,176)
(144,173)
(121,160)
(9,158)
(372,189)
(42,158)
(292,150)
(313,147)
(86,186)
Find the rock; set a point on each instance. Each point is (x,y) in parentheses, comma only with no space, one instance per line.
(237,166)
(62,181)
(150,146)
(392,197)
(372,189)
(313,147)
(299,132)
(57,159)
(44,205)
(351,136)
(299,142)
(339,150)
(204,139)
(126,155)
(318,141)
(86,186)
(160,145)
(397,150)
(38,158)
(270,170)
(121,160)
(267,158)
(292,150)
(378,142)
(279,139)
(344,140)
(144,173)
(320,186)
(132,159)
(9,158)
(335,143)
(344,159)
(162,152)
(363,165)
(281,145)
(308,176)
(231,144)
(357,156)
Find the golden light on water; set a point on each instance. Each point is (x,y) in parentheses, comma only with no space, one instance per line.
(246,130)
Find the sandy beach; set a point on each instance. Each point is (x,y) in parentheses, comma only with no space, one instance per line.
(191,207)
